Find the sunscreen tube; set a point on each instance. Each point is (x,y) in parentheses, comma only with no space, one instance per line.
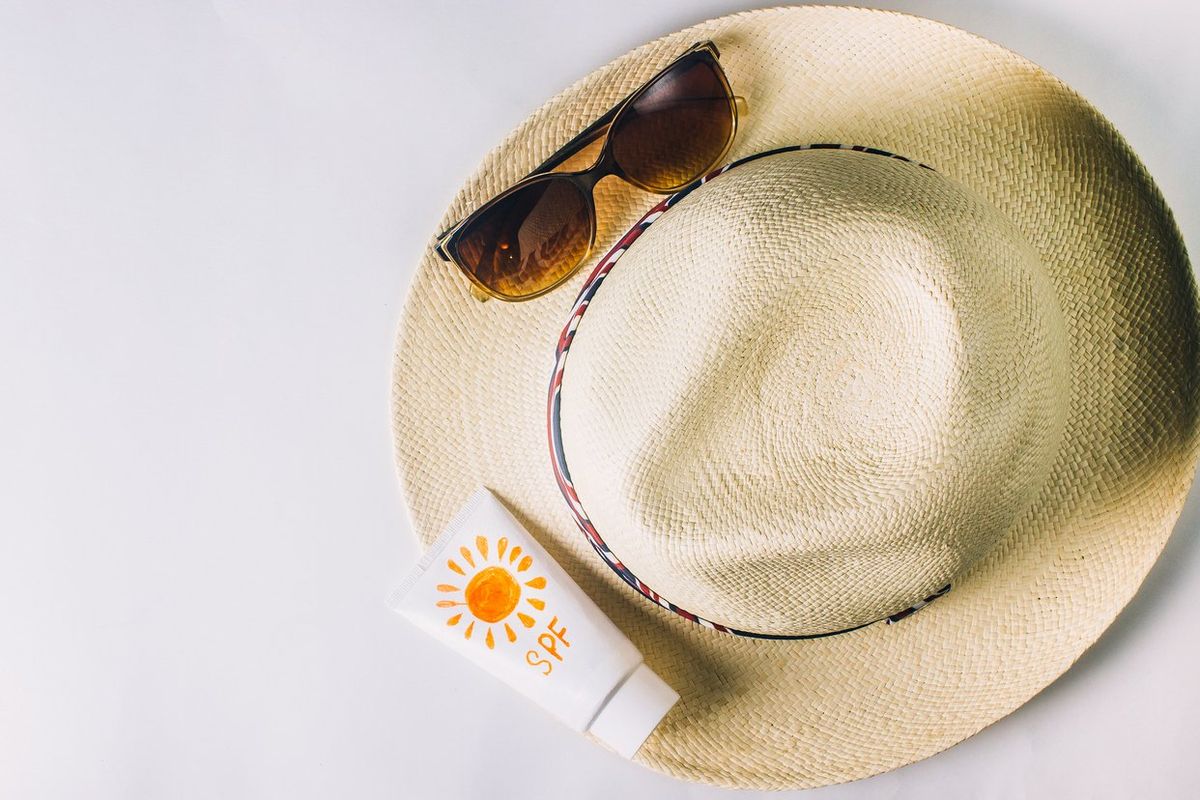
(487,589)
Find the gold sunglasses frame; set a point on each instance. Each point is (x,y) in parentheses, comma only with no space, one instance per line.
(585,180)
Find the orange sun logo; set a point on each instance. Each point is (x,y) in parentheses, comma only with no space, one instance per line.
(492,592)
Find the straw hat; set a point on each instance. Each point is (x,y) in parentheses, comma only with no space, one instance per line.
(827,383)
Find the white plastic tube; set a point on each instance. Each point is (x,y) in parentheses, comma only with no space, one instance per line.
(487,589)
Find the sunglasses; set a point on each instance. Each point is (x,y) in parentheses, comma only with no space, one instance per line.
(534,235)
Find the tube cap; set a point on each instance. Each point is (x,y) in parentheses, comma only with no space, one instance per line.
(633,711)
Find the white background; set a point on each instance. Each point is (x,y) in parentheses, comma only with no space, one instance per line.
(209,213)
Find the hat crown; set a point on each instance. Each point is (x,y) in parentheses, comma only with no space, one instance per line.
(814,392)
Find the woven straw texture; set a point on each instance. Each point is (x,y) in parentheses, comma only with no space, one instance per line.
(1065,214)
(814,392)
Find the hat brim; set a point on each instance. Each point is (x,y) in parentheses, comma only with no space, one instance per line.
(470,381)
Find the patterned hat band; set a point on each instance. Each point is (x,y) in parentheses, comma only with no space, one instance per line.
(558,458)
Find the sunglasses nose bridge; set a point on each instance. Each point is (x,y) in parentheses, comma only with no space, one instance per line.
(604,166)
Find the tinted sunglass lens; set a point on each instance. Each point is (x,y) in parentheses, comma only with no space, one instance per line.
(529,240)
(677,128)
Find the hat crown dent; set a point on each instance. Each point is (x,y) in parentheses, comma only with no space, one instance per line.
(815,391)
